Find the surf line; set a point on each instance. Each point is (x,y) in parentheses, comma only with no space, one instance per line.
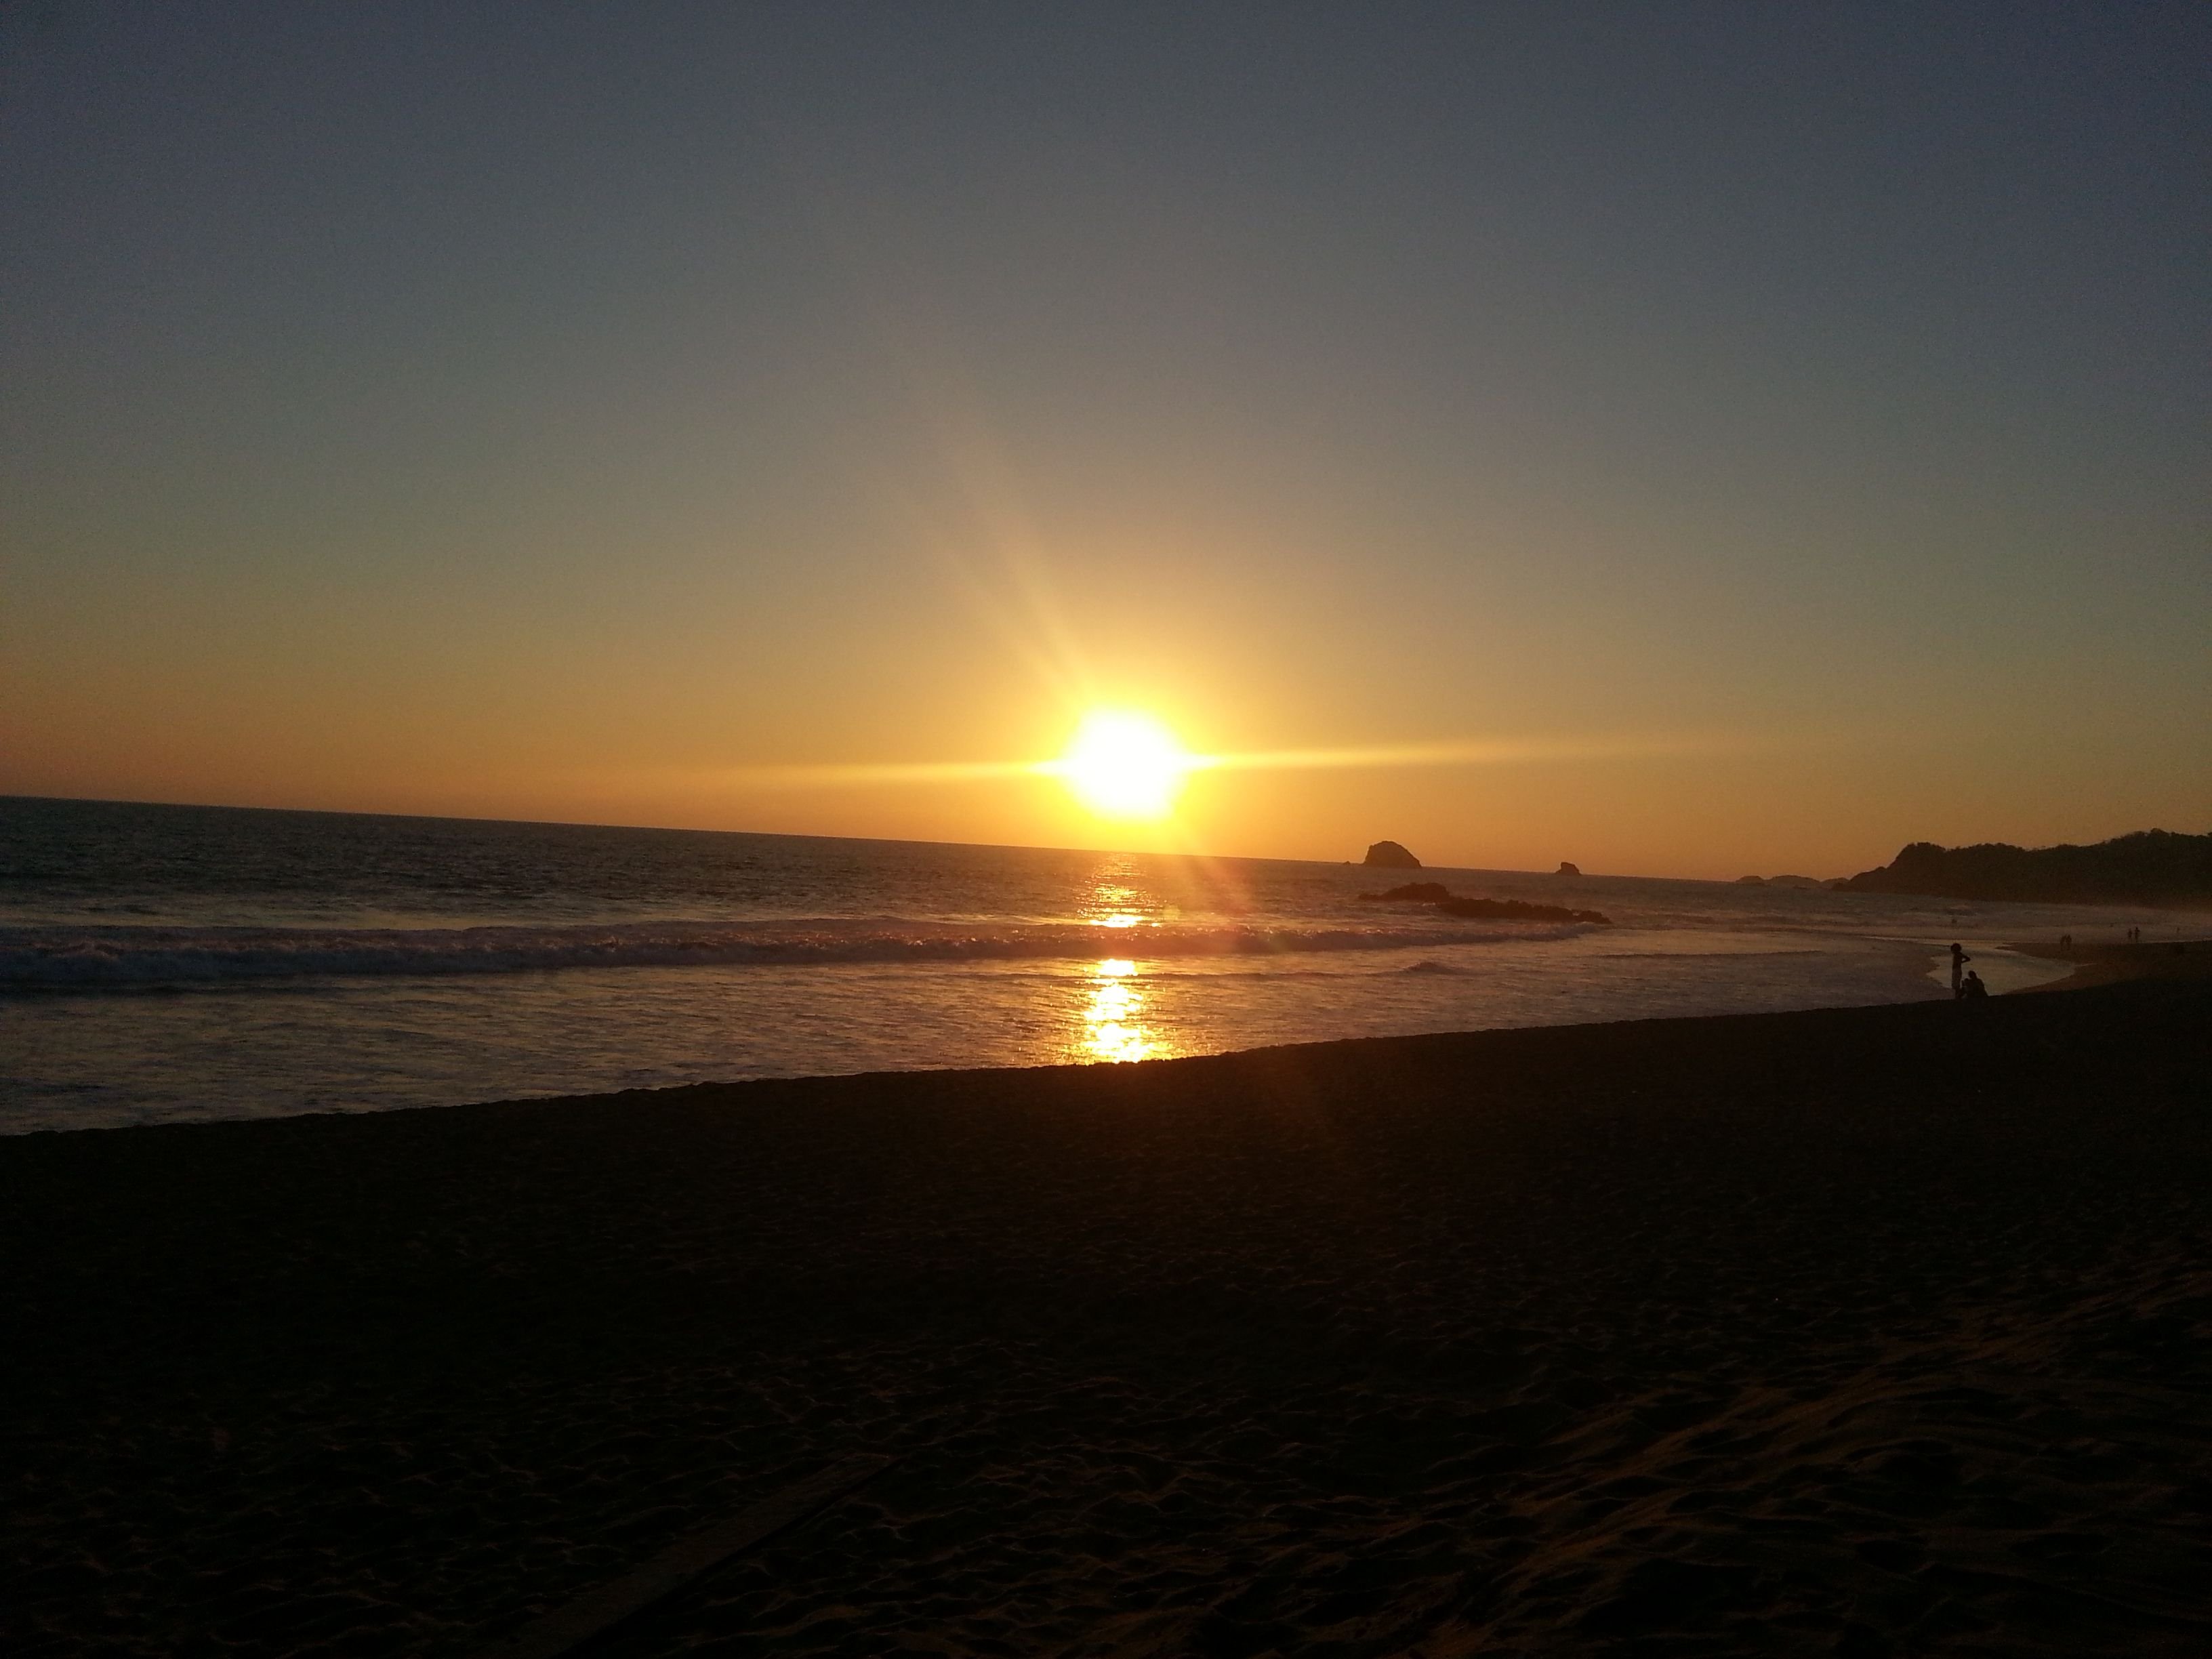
(682,1563)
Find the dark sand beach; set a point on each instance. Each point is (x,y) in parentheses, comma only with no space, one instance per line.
(1863,1331)
(2111,962)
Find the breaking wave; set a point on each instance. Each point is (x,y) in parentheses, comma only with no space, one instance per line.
(53,958)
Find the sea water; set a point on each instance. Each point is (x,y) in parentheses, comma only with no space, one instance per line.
(165,963)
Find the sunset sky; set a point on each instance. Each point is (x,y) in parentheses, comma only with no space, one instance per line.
(1685,440)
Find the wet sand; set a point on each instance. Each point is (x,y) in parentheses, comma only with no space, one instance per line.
(1859,1331)
(2111,962)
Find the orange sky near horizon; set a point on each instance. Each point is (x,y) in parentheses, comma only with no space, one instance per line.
(495,738)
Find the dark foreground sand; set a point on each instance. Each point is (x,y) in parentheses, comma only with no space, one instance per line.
(1866,1331)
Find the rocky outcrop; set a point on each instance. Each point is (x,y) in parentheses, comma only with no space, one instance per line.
(2152,867)
(1389,855)
(1435,893)
(1567,869)
(1518,910)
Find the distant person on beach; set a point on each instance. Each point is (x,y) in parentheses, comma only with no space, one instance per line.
(1959,960)
(1972,986)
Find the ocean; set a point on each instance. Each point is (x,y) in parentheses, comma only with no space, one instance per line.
(160,964)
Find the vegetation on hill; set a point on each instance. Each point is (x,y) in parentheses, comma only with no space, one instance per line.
(2152,867)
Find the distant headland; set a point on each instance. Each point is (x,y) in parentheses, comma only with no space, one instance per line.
(2151,866)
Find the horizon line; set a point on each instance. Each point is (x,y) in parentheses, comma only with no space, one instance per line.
(909,841)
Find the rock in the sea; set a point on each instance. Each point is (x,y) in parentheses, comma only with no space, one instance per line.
(1389,855)
(1518,910)
(1414,892)
(1435,893)
(1567,869)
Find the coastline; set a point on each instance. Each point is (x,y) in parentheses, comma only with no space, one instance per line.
(1884,1326)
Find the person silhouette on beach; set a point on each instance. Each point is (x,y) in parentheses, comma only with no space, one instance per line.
(1959,960)
(1972,987)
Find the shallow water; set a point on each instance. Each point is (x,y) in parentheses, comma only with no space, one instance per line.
(163,963)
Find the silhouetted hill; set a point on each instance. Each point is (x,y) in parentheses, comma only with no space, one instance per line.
(2152,867)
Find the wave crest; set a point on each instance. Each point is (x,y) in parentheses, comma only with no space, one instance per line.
(139,958)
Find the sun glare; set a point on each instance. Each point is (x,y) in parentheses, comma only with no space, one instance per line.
(1125,766)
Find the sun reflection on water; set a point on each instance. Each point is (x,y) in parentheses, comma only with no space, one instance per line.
(1116,898)
(1113,1019)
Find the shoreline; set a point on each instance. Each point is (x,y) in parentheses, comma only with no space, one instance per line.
(2093,965)
(1887,1327)
(2118,963)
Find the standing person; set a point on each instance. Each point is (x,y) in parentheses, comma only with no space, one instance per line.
(1958,961)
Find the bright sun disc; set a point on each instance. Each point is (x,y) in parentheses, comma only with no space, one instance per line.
(1125,766)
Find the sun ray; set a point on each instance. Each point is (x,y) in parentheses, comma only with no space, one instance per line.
(1159,757)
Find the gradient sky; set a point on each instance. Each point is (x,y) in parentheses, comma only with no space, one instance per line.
(1786,430)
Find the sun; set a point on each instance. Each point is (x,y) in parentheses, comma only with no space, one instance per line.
(1124,765)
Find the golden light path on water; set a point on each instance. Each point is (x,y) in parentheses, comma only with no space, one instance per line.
(1113,1017)
(1110,1023)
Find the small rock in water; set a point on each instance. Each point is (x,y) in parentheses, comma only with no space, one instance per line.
(1435,893)
(1415,892)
